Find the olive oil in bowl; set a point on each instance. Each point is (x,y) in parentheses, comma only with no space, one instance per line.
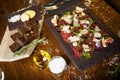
(41,59)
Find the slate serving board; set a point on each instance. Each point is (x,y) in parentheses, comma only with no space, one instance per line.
(13,26)
(83,63)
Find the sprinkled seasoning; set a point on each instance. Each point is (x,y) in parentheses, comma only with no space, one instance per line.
(14,18)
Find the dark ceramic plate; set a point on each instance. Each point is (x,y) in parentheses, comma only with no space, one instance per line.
(103,53)
(19,12)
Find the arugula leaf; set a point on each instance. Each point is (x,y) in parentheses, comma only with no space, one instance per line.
(34,42)
(86,55)
(80,42)
(116,70)
(91,22)
(79,15)
(67,13)
(92,31)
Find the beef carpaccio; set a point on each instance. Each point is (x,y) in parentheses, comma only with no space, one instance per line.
(85,39)
(81,32)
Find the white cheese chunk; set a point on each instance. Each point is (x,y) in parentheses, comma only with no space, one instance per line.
(84,31)
(103,42)
(75,21)
(67,18)
(74,43)
(74,38)
(83,14)
(54,7)
(66,28)
(79,9)
(54,20)
(96,40)
(79,34)
(86,48)
(97,35)
(97,28)
(84,22)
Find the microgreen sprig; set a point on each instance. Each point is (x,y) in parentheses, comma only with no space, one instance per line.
(86,55)
(116,70)
(34,42)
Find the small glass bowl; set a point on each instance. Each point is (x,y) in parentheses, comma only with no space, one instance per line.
(41,59)
(57,64)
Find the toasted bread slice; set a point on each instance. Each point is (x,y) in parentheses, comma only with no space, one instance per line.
(24,17)
(31,13)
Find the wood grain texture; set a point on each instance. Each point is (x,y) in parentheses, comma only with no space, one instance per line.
(25,69)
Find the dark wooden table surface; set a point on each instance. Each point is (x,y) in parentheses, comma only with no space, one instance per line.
(25,69)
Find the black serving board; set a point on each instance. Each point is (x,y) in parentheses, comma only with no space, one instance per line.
(13,26)
(103,53)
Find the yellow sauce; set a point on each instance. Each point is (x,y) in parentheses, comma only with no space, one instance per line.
(41,59)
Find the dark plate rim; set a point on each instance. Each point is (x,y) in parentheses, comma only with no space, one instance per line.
(99,55)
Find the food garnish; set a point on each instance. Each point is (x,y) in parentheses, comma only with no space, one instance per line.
(15,18)
(41,59)
(34,42)
(81,32)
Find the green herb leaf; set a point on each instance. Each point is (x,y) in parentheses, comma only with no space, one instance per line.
(34,42)
(116,70)
(79,15)
(91,22)
(92,31)
(86,55)
(67,13)
(80,42)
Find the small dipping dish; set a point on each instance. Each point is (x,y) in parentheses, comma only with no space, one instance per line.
(41,59)
(57,64)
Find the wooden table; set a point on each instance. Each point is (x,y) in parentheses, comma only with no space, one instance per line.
(25,69)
